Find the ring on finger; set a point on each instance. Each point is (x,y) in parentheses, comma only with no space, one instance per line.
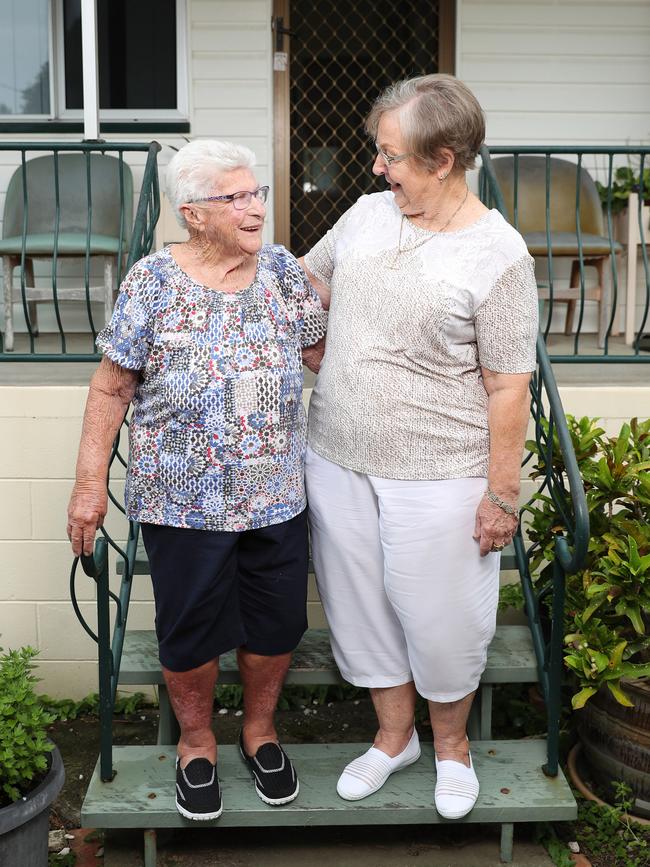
(498,547)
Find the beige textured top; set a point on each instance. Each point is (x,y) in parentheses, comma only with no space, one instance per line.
(400,393)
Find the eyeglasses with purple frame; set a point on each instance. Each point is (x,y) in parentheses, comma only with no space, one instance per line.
(240,200)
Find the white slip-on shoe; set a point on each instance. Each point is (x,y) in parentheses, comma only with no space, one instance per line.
(369,772)
(456,788)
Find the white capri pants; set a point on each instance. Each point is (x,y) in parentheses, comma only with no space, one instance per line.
(406,593)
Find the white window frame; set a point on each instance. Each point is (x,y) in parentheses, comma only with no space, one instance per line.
(56,59)
(46,116)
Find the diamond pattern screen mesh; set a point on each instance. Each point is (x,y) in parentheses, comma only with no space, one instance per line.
(342,55)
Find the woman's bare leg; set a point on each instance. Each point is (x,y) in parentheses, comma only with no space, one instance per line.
(449,726)
(262,678)
(395,707)
(191,694)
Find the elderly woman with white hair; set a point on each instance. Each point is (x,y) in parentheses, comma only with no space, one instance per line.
(206,341)
(416,430)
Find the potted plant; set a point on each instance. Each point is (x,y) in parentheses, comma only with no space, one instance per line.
(31,770)
(607,611)
(624,182)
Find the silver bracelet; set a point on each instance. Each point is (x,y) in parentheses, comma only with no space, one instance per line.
(506,507)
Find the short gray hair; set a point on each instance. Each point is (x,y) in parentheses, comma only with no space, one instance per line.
(191,171)
(435,111)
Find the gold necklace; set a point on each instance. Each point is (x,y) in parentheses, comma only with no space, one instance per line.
(394,265)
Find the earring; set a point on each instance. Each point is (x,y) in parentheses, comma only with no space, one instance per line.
(441,178)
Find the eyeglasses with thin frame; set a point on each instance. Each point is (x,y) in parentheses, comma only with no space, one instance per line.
(240,200)
(388,159)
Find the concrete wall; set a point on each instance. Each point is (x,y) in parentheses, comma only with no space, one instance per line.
(39,430)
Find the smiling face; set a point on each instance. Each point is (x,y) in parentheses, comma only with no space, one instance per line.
(229,229)
(413,186)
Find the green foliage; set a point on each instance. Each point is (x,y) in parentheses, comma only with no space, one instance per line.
(608,601)
(293,696)
(230,695)
(514,715)
(557,849)
(24,746)
(56,860)
(68,708)
(611,834)
(511,596)
(624,182)
(604,833)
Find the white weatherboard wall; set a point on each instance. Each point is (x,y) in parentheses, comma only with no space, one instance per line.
(561,72)
(558,71)
(39,430)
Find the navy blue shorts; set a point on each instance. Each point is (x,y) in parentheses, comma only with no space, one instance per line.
(218,590)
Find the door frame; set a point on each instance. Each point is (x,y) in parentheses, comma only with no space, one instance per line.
(281,104)
(281,127)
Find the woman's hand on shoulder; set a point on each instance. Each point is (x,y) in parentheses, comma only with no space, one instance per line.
(494,528)
(86,512)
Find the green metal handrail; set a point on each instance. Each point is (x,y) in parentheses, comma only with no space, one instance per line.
(567,492)
(146,217)
(611,158)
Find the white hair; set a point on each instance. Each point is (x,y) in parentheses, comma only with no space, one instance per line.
(191,172)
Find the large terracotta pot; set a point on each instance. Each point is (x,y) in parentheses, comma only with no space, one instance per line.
(616,741)
(24,825)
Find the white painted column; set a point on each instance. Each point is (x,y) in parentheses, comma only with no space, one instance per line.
(90,68)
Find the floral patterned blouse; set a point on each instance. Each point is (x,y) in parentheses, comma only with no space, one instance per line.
(217,437)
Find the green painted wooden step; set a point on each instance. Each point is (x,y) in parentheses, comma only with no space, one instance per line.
(513,789)
(141,565)
(511,659)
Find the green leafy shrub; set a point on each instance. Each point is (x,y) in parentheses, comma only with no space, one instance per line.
(24,746)
(624,182)
(511,596)
(70,708)
(609,832)
(607,613)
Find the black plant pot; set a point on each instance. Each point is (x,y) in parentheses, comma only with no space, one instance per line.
(24,825)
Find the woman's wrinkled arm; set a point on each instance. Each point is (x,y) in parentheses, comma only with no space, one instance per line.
(109,395)
(508,413)
(312,356)
(322,289)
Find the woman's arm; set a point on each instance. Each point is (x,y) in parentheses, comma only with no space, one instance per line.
(322,289)
(111,391)
(312,356)
(508,413)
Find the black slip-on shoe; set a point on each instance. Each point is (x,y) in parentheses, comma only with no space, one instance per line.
(276,781)
(198,795)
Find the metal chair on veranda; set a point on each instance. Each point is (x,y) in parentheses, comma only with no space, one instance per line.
(72,206)
(597,251)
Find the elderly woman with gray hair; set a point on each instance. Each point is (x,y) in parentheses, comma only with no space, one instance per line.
(416,430)
(206,342)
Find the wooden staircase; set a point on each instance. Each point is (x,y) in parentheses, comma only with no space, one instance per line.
(514,787)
